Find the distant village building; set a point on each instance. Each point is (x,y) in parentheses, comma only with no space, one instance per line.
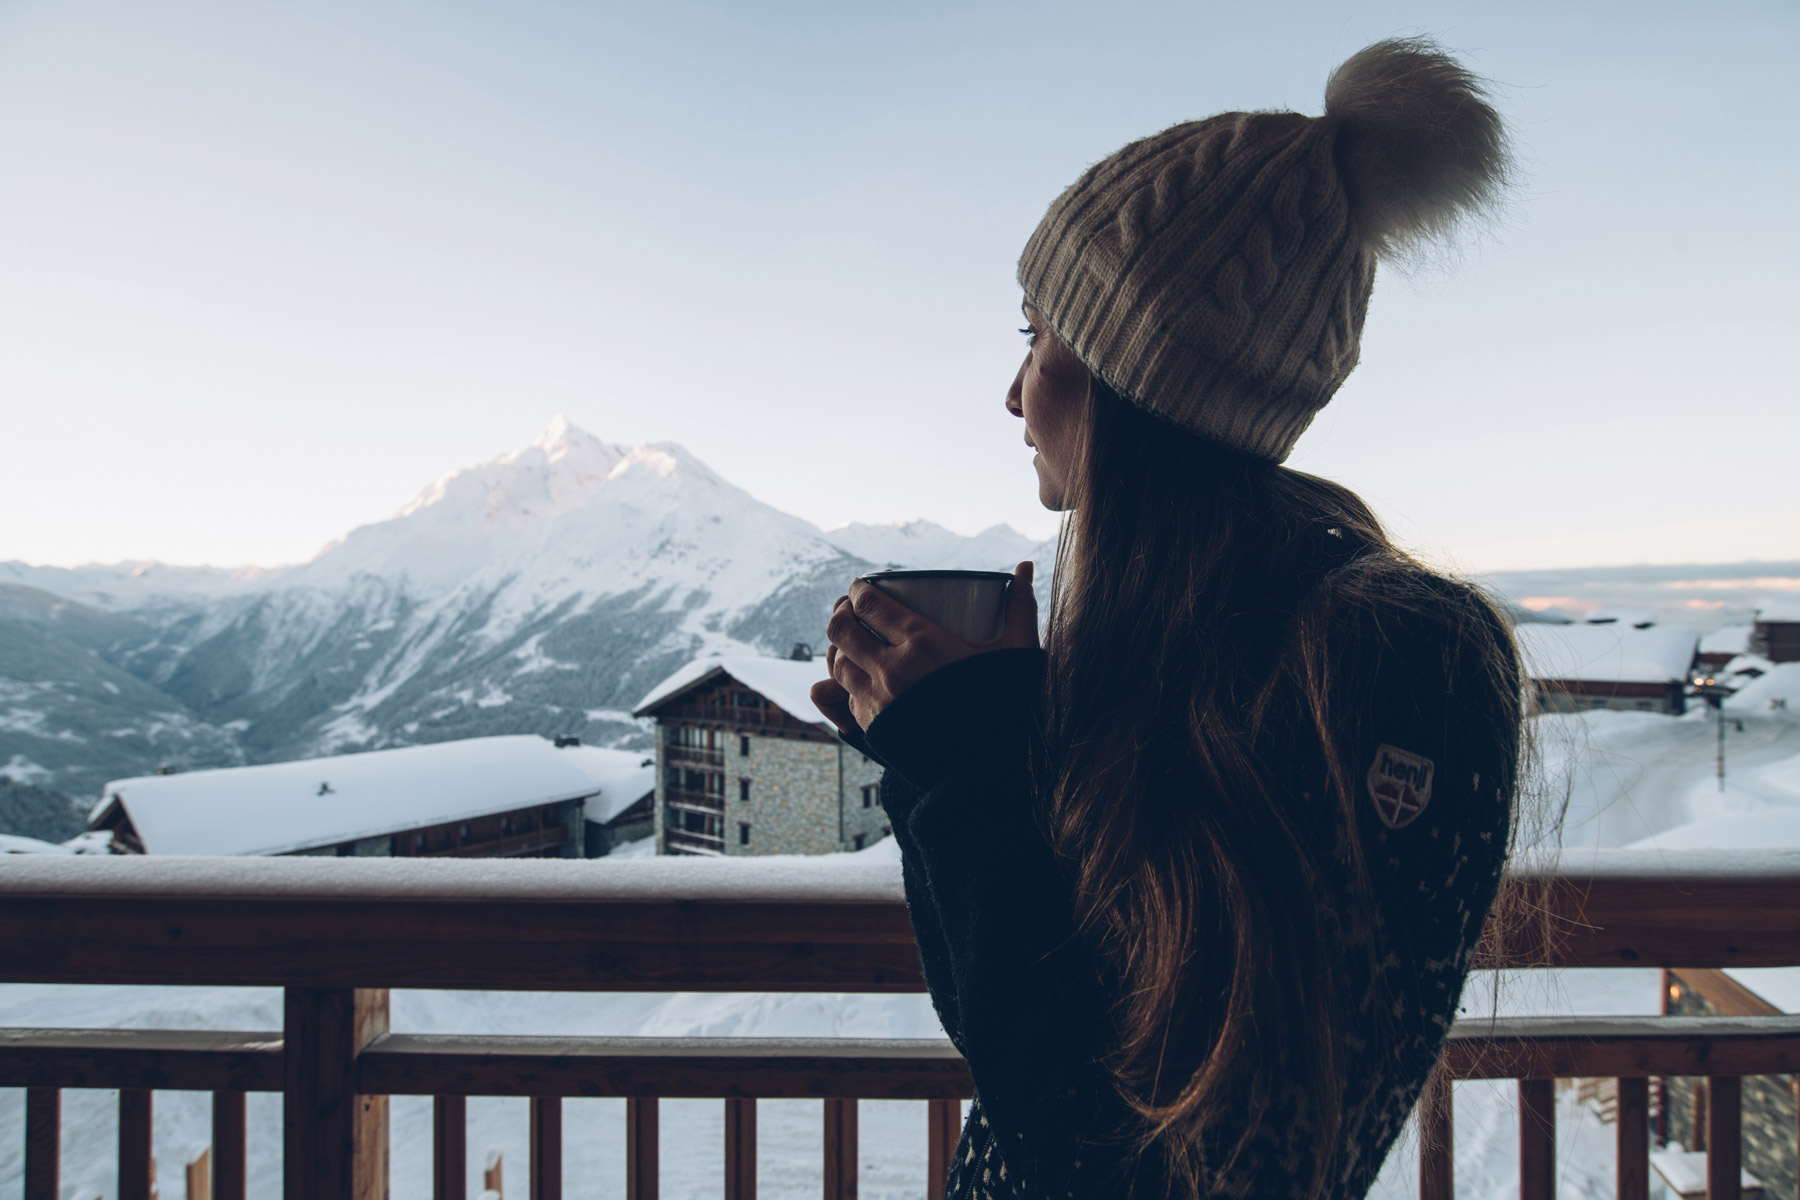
(1611,664)
(746,765)
(493,797)
(1776,634)
(1722,645)
(1770,1105)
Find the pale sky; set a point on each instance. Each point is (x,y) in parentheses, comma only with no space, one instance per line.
(268,269)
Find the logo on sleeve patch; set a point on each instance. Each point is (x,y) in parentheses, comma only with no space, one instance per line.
(1400,785)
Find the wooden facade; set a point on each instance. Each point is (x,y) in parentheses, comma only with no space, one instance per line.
(531,831)
(1576,695)
(1777,641)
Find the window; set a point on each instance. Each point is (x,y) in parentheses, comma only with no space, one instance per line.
(744,746)
(857,841)
(715,783)
(743,789)
(746,700)
(743,834)
(871,794)
(418,841)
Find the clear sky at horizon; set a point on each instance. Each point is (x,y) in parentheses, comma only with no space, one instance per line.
(267,269)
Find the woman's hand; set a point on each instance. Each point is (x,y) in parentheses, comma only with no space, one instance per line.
(869,670)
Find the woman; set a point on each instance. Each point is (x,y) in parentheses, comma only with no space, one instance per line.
(1197,885)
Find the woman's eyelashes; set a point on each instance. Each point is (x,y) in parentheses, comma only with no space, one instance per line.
(1031,336)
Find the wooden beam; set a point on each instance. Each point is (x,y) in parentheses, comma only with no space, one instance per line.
(642,1150)
(746,1068)
(200,1176)
(1437,1138)
(1565,1047)
(152,1059)
(943,1119)
(231,1162)
(334,1140)
(449,1148)
(1537,1139)
(1724,1137)
(1633,1139)
(842,1157)
(43,1144)
(137,1169)
(546,1148)
(453,924)
(740,1149)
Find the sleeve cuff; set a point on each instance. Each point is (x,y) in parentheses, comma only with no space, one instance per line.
(960,717)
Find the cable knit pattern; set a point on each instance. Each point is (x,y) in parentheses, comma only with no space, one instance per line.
(1212,274)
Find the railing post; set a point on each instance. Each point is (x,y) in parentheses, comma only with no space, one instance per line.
(230,1164)
(449,1148)
(1537,1139)
(641,1148)
(137,1169)
(1633,1142)
(943,1129)
(1437,1138)
(546,1148)
(840,1149)
(1724,1137)
(43,1143)
(740,1149)
(334,1141)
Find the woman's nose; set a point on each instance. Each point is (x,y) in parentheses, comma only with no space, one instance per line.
(1015,403)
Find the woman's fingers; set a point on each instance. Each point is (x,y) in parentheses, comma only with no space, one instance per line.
(1021,608)
(852,638)
(891,620)
(830,698)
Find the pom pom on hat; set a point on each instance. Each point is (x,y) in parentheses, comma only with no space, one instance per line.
(1421,147)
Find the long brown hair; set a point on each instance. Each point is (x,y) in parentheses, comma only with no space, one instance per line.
(1199,615)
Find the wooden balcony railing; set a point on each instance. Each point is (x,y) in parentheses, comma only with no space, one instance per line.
(699,756)
(337,933)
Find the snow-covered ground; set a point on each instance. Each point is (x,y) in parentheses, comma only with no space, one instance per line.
(1626,778)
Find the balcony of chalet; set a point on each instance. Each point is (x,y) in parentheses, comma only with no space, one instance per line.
(338,934)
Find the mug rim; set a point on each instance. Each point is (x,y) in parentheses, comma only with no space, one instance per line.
(928,573)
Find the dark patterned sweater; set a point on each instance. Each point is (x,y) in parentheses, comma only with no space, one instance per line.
(1022,1001)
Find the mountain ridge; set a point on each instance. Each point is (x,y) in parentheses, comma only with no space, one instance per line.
(544,590)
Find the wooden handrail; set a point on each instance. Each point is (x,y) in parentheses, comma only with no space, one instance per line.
(784,1068)
(695,925)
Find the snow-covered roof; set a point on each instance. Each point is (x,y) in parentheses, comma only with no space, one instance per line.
(1639,618)
(282,807)
(1779,688)
(1617,653)
(783,680)
(11,843)
(1732,639)
(624,776)
(1782,607)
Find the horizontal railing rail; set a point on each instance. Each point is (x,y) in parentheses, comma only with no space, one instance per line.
(336,933)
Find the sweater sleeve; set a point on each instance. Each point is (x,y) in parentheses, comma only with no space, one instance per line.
(1020,995)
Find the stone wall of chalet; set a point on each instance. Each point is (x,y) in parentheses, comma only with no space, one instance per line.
(1770,1128)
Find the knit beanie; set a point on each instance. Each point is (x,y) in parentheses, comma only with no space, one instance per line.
(1218,273)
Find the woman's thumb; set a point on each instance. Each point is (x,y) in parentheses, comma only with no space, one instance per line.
(1021,607)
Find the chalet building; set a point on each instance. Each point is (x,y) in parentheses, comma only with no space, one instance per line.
(1770,1105)
(493,797)
(1776,633)
(745,764)
(1633,667)
(1721,646)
